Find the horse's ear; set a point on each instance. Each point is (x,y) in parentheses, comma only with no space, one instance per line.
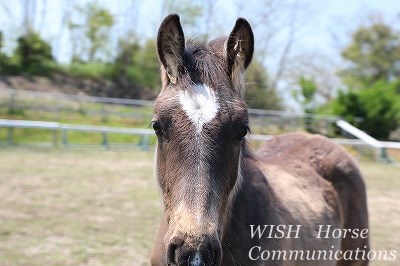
(239,52)
(171,46)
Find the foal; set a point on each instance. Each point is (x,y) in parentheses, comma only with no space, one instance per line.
(216,192)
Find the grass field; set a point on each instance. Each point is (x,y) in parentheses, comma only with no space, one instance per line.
(95,207)
(117,116)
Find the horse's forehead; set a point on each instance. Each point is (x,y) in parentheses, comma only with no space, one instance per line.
(200,104)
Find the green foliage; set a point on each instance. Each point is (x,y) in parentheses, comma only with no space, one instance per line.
(374,54)
(377,106)
(33,55)
(306,95)
(3,57)
(373,101)
(258,92)
(136,69)
(124,59)
(90,70)
(145,69)
(308,89)
(96,29)
(8,66)
(122,64)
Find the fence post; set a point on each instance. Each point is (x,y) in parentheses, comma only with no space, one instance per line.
(58,110)
(383,156)
(331,129)
(308,123)
(104,141)
(65,137)
(10,139)
(144,142)
(11,104)
(55,137)
(103,113)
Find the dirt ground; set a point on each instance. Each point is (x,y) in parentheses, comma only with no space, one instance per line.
(95,207)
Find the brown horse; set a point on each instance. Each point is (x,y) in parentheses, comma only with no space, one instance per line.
(297,197)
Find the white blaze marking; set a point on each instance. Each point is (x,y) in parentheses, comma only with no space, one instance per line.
(200,105)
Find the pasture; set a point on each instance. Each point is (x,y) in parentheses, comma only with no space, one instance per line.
(95,207)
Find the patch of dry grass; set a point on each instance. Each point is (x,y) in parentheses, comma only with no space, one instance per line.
(95,207)
(76,207)
(383,190)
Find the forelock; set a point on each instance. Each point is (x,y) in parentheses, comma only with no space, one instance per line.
(205,65)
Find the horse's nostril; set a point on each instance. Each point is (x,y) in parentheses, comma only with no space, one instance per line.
(197,260)
(171,251)
(182,252)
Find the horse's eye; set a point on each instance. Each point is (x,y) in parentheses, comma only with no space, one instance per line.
(243,133)
(157,128)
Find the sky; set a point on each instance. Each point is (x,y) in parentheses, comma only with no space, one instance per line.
(341,17)
(327,27)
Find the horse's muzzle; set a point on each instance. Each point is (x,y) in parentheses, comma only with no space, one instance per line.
(203,251)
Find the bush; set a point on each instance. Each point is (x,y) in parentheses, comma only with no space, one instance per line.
(33,55)
(90,70)
(378,107)
(259,94)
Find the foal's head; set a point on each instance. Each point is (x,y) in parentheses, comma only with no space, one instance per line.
(200,119)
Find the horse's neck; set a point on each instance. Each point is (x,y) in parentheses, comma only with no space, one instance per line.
(252,206)
(255,193)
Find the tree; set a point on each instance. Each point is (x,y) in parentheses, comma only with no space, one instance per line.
(125,56)
(319,68)
(306,97)
(277,25)
(7,65)
(1,41)
(29,13)
(377,106)
(373,54)
(99,22)
(2,56)
(306,94)
(33,54)
(190,13)
(259,94)
(145,70)
(93,33)
(136,69)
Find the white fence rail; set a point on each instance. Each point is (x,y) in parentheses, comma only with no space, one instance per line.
(379,146)
(66,128)
(363,139)
(56,104)
(341,141)
(28,124)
